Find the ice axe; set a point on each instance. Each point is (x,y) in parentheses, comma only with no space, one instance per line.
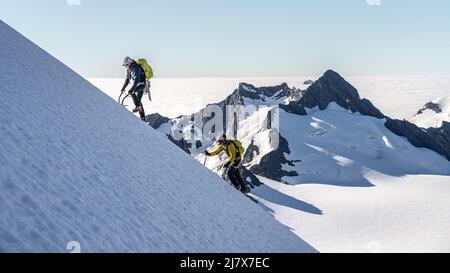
(206,157)
(122,100)
(148,85)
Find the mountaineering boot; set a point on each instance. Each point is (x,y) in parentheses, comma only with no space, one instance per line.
(237,188)
(137,109)
(245,190)
(142,114)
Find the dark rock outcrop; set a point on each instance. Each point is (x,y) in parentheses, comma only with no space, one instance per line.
(250,153)
(270,165)
(294,108)
(156,120)
(183,144)
(431,106)
(331,87)
(261,93)
(198,144)
(436,139)
(441,137)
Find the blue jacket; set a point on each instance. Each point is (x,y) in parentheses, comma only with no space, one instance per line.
(136,73)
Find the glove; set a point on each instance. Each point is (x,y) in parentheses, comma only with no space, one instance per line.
(123,90)
(207,153)
(130,92)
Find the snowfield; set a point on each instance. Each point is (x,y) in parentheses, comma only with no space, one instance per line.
(76,166)
(398,214)
(337,147)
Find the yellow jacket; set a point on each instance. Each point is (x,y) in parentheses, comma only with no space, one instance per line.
(230,149)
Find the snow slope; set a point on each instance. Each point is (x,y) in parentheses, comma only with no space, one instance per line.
(399,214)
(75,166)
(338,147)
(433,114)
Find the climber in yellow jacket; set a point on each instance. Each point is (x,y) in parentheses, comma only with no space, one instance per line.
(235,151)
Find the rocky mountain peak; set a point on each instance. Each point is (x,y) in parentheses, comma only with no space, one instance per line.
(262,93)
(331,87)
(431,106)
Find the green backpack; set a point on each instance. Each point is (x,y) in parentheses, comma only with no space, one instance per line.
(147,68)
(238,146)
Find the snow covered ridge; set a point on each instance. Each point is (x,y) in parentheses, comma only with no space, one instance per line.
(433,114)
(78,170)
(329,112)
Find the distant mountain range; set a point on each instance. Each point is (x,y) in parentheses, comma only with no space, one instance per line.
(327,129)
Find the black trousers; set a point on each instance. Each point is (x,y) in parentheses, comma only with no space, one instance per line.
(137,99)
(234,174)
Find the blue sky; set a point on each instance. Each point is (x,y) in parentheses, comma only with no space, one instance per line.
(215,38)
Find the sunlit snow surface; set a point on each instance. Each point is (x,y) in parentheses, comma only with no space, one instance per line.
(398,214)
